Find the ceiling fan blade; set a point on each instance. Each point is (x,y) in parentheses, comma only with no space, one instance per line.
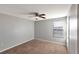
(33,13)
(43,17)
(42,14)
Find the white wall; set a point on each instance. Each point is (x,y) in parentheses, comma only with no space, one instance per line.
(44,30)
(14,31)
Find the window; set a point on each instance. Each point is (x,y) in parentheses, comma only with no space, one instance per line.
(58,29)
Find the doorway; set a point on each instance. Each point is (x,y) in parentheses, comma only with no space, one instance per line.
(60,30)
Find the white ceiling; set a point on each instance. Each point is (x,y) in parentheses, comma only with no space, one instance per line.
(21,10)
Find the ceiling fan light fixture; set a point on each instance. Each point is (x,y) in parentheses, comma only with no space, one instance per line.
(36,18)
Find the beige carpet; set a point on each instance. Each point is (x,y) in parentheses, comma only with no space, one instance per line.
(37,47)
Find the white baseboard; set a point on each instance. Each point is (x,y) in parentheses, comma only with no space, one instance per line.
(15,45)
(50,41)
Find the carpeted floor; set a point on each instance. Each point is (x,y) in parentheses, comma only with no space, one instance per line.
(37,47)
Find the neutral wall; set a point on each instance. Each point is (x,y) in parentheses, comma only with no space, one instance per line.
(72,29)
(44,30)
(14,31)
(78,29)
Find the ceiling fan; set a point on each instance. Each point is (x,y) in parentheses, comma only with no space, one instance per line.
(37,15)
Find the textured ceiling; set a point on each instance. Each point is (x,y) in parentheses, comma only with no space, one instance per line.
(22,10)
